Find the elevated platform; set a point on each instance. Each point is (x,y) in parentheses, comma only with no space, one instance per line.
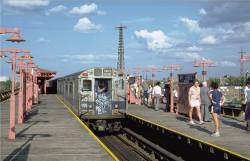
(234,139)
(50,132)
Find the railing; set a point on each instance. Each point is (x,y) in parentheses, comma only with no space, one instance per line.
(233,111)
(6,94)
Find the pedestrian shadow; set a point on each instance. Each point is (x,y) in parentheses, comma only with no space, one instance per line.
(181,118)
(196,126)
(200,128)
(233,123)
(22,152)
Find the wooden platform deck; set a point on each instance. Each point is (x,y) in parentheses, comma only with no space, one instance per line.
(49,133)
(234,136)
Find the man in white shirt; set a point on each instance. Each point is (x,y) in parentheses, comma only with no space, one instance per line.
(247,96)
(157,95)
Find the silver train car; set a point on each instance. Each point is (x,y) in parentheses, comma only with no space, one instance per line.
(97,96)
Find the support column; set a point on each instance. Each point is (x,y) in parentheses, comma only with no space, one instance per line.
(20,97)
(44,86)
(12,131)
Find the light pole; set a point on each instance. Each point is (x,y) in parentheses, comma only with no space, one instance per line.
(13,51)
(204,64)
(21,66)
(15,34)
(171,68)
(29,89)
(15,37)
(153,71)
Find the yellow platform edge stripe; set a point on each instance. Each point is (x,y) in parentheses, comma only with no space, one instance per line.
(90,132)
(180,133)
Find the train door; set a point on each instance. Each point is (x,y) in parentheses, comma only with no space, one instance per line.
(103,96)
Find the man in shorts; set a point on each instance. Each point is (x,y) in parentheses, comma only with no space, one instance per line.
(194,100)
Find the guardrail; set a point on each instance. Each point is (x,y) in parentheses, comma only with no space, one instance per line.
(6,94)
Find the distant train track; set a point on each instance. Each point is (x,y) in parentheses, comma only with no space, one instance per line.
(6,94)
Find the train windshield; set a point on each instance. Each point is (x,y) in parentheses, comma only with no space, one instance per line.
(86,85)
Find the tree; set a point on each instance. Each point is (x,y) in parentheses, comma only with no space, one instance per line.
(217,80)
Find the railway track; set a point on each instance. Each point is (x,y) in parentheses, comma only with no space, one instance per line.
(129,146)
(123,149)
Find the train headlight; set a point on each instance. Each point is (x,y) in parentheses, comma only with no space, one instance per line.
(90,106)
(116,106)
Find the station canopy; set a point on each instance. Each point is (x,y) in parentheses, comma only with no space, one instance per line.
(44,73)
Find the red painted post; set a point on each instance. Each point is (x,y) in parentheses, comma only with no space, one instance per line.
(171,92)
(35,88)
(45,88)
(35,93)
(20,95)
(12,132)
(171,67)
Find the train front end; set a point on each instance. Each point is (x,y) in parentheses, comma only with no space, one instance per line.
(102,98)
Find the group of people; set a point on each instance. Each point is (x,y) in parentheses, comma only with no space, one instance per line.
(206,101)
(203,99)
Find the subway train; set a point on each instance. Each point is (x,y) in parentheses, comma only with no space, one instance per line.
(96,95)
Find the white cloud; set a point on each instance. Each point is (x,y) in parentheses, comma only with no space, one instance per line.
(203,11)
(56,9)
(192,25)
(26,3)
(139,20)
(228,64)
(84,9)
(101,13)
(88,58)
(193,49)
(42,40)
(187,56)
(156,40)
(84,25)
(208,40)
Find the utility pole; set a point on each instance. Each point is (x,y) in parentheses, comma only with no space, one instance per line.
(121,61)
(171,68)
(243,58)
(204,64)
(153,71)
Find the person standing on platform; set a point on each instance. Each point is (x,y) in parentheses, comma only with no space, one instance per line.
(205,102)
(157,95)
(167,95)
(247,97)
(194,100)
(145,92)
(150,90)
(217,100)
(176,101)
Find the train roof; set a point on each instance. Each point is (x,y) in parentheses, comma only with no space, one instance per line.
(78,73)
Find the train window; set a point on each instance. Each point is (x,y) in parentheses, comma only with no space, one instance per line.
(70,87)
(66,89)
(86,85)
(122,82)
(98,72)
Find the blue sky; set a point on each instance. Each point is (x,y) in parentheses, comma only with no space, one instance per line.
(69,36)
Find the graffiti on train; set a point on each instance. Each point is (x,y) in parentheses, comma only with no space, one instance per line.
(102,103)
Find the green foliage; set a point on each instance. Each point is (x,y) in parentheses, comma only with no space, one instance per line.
(217,80)
(4,86)
(228,81)
(234,81)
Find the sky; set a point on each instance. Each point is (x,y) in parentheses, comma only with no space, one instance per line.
(67,36)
